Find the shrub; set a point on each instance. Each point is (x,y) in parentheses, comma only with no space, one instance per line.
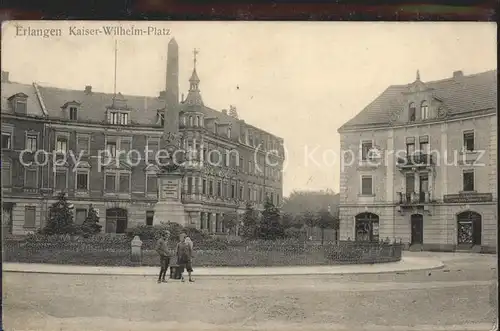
(295,233)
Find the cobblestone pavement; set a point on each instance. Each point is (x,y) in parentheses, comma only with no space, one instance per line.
(456,297)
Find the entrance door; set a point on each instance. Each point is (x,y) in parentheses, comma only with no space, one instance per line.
(116,220)
(469,229)
(417,229)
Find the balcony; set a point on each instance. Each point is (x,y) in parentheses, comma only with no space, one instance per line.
(413,198)
(415,161)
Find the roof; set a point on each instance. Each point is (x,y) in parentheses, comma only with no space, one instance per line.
(459,95)
(93,105)
(11,88)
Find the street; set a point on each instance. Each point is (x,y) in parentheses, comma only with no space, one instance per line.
(455,295)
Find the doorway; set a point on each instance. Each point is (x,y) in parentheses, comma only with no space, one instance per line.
(417,229)
(469,229)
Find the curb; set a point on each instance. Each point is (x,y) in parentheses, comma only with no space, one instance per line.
(271,271)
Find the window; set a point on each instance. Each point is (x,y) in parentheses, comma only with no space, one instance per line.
(124,183)
(277,199)
(162,119)
(118,118)
(125,147)
(82,181)
(211,187)
(249,167)
(150,215)
(216,129)
(424,110)
(61,144)
(110,182)
(73,113)
(191,123)
(366,146)
(29,217)
(152,149)
(21,106)
(152,184)
(410,146)
(424,144)
(412,112)
(468,180)
(80,216)
(249,194)
(240,165)
(241,192)
(367,227)
(189,185)
(31,142)
(61,182)
(111,147)
(366,185)
(30,178)
(233,191)
(204,187)
(83,144)
(229,132)
(6,174)
(6,140)
(469,140)
(219,188)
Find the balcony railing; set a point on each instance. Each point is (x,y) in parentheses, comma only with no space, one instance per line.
(413,198)
(415,160)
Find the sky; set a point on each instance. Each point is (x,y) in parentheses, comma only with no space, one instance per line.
(298,80)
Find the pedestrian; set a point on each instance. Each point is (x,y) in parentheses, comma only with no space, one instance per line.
(184,256)
(162,250)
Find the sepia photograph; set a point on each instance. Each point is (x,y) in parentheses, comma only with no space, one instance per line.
(249,176)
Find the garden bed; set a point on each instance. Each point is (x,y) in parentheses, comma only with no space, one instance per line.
(116,252)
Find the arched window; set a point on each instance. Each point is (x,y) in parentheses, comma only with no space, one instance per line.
(229,132)
(196,119)
(424,110)
(412,112)
(183,120)
(367,227)
(190,120)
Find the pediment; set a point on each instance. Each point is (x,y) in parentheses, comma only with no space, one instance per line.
(71,103)
(19,95)
(152,168)
(83,164)
(120,164)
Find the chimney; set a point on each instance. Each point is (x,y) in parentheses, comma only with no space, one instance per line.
(5,76)
(88,89)
(458,74)
(162,95)
(224,111)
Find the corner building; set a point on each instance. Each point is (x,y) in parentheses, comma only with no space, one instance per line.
(425,166)
(230,167)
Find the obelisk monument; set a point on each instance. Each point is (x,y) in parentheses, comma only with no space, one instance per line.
(169,207)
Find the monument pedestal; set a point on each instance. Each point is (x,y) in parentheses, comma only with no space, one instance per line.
(169,207)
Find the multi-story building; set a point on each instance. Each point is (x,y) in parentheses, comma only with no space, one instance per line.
(420,165)
(76,126)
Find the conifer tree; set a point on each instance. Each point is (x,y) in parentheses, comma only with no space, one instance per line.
(60,217)
(270,225)
(249,228)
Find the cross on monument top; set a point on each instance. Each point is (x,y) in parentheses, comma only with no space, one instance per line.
(195,52)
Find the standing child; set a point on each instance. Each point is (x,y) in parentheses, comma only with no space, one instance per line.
(184,256)
(162,250)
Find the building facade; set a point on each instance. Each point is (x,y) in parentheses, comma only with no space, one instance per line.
(102,150)
(420,165)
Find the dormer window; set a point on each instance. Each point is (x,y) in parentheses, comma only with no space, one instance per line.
(424,110)
(162,119)
(412,112)
(73,113)
(19,103)
(117,118)
(229,132)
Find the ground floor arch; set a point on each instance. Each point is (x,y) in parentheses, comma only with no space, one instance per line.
(116,220)
(469,229)
(367,227)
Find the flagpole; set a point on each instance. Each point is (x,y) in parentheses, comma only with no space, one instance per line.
(116,61)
